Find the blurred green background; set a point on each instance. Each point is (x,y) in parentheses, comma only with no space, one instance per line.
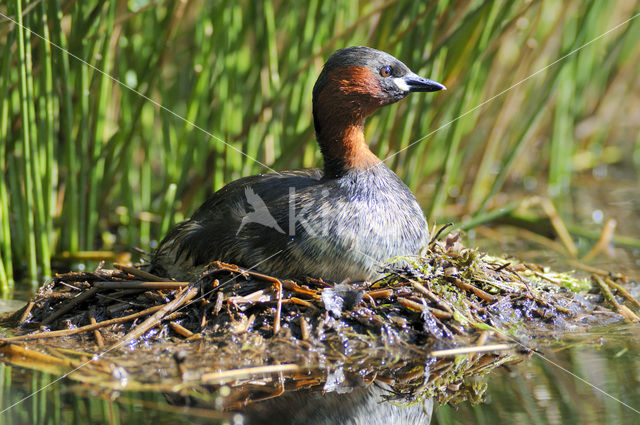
(92,160)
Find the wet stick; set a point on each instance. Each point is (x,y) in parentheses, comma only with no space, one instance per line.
(139,273)
(134,284)
(298,301)
(276,284)
(71,304)
(87,328)
(25,314)
(427,293)
(477,291)
(276,317)
(622,291)
(624,311)
(180,330)
(180,299)
(96,333)
(412,305)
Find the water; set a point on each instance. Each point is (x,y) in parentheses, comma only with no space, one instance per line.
(591,379)
(586,378)
(595,378)
(596,381)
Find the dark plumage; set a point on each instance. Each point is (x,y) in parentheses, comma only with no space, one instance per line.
(338,223)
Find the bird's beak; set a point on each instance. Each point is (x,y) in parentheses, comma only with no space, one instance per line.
(417,83)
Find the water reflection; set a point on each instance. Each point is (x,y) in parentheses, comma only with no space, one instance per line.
(357,406)
(532,392)
(539,392)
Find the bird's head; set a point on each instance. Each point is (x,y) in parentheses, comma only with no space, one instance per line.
(362,79)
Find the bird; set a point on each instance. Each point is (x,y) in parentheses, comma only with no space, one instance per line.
(340,222)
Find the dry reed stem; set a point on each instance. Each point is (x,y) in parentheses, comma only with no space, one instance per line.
(250,371)
(470,350)
(603,241)
(559,226)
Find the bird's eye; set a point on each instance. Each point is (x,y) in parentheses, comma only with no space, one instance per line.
(385,71)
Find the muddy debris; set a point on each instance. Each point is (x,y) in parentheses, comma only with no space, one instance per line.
(237,327)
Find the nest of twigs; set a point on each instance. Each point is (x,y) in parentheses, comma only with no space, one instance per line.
(450,301)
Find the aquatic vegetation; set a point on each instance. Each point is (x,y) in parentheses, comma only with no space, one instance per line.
(436,320)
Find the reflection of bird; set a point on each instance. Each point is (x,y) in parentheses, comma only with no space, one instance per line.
(260,214)
(341,222)
(345,402)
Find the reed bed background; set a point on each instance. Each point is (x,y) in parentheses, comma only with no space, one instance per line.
(159,103)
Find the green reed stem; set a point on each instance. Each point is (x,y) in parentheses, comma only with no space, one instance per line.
(70,236)
(100,127)
(167,209)
(38,168)
(47,133)
(30,230)
(511,156)
(82,146)
(483,218)
(6,263)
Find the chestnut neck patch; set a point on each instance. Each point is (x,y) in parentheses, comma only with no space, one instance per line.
(350,95)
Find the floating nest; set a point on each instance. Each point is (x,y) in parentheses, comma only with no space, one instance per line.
(424,330)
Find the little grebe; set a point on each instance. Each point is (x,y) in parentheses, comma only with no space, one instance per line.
(338,223)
